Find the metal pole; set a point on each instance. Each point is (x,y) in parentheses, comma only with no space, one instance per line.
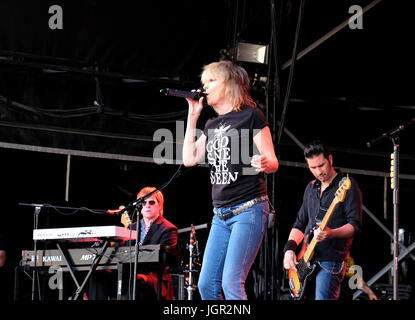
(68,170)
(34,273)
(395,179)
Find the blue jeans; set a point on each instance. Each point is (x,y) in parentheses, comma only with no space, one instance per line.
(329,279)
(230,252)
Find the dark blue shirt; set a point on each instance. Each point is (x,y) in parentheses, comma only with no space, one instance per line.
(314,208)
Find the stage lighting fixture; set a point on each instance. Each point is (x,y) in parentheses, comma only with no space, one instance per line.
(249,52)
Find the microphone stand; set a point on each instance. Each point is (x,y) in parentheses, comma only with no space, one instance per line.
(35,276)
(135,204)
(193,254)
(393,135)
(136,247)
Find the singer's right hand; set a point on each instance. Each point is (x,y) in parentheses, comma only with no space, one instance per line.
(195,107)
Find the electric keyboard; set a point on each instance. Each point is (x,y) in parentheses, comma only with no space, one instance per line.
(155,256)
(85,233)
(151,253)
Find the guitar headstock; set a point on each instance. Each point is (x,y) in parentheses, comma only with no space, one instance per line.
(345,185)
(125,219)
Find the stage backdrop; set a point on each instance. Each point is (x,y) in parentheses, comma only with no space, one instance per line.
(86,75)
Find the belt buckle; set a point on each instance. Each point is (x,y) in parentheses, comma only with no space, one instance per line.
(223,216)
(227,215)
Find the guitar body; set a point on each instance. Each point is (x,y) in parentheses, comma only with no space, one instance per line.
(297,279)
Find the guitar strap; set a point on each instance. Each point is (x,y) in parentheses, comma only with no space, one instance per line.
(323,206)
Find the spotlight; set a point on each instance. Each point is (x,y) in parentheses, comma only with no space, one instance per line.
(249,52)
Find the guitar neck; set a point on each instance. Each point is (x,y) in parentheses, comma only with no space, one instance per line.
(308,255)
(328,214)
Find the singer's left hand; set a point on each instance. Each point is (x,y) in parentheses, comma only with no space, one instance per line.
(259,162)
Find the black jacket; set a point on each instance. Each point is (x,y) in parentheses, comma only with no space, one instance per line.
(161,231)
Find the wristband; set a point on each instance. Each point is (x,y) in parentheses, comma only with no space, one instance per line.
(290,245)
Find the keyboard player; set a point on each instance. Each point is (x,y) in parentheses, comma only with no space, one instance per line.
(154,229)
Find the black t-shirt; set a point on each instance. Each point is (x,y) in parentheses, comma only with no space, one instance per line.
(229,149)
(314,208)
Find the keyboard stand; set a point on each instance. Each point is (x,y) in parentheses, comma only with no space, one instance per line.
(68,263)
(80,288)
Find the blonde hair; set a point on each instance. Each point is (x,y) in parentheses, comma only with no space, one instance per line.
(236,80)
(158,195)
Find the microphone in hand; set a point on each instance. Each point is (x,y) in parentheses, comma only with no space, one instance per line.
(195,95)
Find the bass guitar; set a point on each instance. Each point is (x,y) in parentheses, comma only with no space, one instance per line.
(297,278)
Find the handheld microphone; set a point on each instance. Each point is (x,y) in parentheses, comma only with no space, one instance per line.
(182,94)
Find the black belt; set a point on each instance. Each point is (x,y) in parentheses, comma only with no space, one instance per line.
(240,209)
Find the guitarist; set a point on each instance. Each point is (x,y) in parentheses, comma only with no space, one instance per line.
(334,242)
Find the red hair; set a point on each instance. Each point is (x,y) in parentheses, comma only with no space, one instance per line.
(157,195)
